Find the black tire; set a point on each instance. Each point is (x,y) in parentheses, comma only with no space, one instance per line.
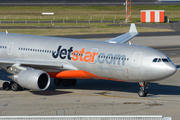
(6,86)
(72,82)
(65,82)
(14,86)
(145,93)
(142,93)
(57,82)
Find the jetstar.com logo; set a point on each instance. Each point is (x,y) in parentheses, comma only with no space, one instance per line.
(75,55)
(88,56)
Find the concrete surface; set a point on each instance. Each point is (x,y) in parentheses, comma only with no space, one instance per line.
(99,97)
(150,40)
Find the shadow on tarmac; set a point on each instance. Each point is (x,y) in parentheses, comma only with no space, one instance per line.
(103,85)
(49,92)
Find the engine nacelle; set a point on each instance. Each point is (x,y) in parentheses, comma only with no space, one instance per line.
(37,80)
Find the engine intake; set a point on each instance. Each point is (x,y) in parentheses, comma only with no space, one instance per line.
(36,80)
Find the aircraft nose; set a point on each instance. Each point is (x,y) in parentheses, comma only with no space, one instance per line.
(171,69)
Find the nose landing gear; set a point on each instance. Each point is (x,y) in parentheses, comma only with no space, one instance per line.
(142,92)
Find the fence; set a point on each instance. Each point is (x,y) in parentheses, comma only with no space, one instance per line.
(157,117)
(63,21)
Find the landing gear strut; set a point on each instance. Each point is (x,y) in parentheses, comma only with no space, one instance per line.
(142,92)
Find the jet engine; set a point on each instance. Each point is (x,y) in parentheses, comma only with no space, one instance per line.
(36,80)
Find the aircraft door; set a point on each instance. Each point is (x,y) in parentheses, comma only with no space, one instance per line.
(94,56)
(91,65)
(136,59)
(10,47)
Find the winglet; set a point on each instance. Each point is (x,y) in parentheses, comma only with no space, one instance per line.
(133,28)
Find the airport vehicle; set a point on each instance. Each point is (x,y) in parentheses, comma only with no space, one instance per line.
(33,60)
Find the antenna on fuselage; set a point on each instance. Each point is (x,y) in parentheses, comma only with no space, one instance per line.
(129,43)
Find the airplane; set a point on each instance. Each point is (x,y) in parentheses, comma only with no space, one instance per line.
(33,60)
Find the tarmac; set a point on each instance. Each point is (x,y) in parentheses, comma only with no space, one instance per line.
(102,97)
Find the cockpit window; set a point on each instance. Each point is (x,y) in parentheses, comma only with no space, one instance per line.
(161,60)
(155,60)
(165,60)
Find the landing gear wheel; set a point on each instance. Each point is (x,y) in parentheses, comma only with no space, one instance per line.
(142,93)
(72,82)
(65,82)
(6,86)
(145,93)
(14,86)
(57,82)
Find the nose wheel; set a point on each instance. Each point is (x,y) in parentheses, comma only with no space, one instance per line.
(143,86)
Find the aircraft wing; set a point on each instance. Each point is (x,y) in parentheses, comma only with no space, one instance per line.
(51,65)
(125,37)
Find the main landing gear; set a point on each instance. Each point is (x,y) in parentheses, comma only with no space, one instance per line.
(12,86)
(64,82)
(142,92)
